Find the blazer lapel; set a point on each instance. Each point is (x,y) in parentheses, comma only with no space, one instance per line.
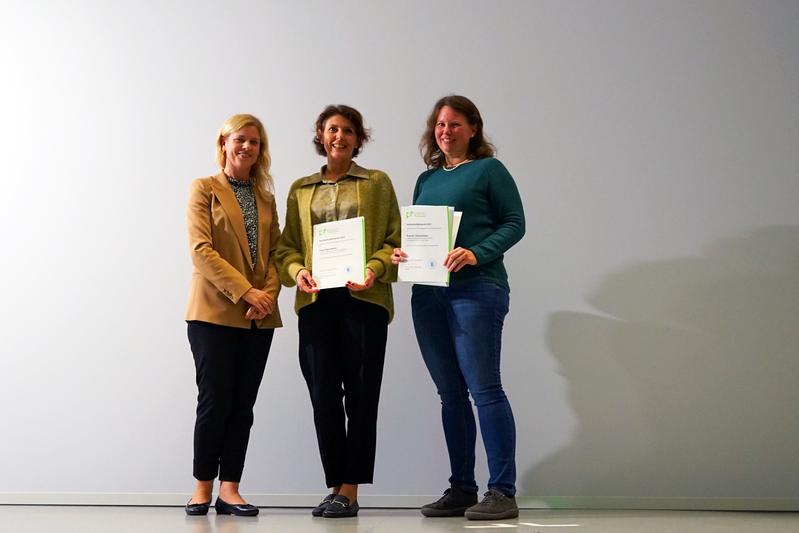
(227,198)
(264,205)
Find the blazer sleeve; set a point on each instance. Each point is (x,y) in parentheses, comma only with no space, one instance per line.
(205,258)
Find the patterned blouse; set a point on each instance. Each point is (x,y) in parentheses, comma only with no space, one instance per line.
(246,198)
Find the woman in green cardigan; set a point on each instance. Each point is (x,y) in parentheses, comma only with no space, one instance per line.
(342,330)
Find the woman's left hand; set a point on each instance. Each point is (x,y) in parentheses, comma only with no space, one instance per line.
(458,258)
(367,282)
(398,256)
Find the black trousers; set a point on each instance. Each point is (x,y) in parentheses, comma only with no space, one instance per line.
(342,349)
(230,363)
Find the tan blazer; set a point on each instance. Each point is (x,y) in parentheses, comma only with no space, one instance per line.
(223,269)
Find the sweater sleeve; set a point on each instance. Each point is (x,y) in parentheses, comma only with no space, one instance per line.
(380,261)
(417,190)
(272,277)
(289,254)
(507,211)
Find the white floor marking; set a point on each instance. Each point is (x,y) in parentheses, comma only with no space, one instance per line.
(548,525)
(514,526)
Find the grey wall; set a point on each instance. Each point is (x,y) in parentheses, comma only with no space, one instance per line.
(651,349)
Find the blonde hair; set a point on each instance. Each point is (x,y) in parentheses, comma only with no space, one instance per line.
(259,173)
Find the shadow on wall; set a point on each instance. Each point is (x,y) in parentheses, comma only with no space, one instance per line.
(687,384)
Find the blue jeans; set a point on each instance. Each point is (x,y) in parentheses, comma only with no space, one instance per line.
(459,330)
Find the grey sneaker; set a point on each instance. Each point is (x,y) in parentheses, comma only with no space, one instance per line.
(495,506)
(453,503)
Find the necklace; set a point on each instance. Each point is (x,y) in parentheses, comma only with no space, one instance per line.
(453,167)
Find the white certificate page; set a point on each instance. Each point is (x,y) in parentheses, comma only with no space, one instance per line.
(426,238)
(338,253)
(456,222)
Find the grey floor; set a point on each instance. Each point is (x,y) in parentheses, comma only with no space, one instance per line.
(84,519)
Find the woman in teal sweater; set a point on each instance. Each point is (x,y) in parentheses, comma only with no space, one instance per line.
(459,328)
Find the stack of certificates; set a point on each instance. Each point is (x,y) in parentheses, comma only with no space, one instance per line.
(428,235)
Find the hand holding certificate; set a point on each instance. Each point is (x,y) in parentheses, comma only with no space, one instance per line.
(428,233)
(338,253)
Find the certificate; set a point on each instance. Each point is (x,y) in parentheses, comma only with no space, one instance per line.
(427,238)
(456,223)
(338,253)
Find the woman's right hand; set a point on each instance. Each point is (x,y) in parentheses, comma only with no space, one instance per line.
(261,301)
(305,282)
(252,314)
(398,256)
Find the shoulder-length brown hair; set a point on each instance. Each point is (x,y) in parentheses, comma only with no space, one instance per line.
(479,147)
(259,173)
(351,114)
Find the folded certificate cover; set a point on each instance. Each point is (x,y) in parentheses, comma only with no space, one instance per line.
(338,253)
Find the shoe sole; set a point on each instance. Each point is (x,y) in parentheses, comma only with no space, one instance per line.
(225,513)
(340,515)
(477,515)
(442,513)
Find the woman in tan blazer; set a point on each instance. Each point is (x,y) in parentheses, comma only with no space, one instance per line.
(232,310)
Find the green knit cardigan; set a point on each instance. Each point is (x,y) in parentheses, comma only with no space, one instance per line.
(377,203)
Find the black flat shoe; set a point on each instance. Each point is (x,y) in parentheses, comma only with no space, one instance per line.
(320,509)
(244,509)
(341,507)
(197,509)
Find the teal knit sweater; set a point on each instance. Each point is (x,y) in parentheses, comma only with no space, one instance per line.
(493,216)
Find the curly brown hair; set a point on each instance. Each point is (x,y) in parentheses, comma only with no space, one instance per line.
(351,114)
(479,147)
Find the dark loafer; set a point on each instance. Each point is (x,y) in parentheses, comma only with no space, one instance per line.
(244,509)
(341,507)
(197,509)
(320,509)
